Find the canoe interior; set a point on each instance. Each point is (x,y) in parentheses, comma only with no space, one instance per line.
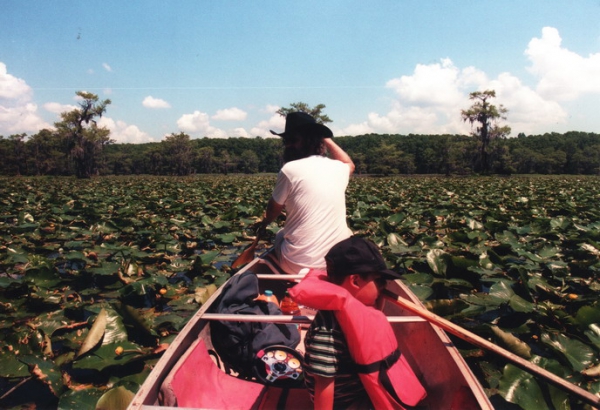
(449,382)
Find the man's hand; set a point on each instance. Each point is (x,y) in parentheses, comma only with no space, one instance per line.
(338,153)
(259,228)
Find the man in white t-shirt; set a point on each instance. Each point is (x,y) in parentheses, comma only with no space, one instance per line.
(312,189)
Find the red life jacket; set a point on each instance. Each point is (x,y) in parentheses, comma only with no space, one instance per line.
(387,377)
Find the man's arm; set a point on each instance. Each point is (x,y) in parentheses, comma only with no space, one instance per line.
(324,389)
(273,211)
(338,153)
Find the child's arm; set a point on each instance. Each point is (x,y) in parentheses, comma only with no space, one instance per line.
(324,387)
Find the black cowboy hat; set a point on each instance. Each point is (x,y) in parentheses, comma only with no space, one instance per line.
(301,121)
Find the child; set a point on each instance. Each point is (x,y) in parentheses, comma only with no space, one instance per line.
(348,330)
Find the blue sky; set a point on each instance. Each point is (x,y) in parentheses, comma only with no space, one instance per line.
(222,68)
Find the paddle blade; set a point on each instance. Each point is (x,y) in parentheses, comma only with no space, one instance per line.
(245,256)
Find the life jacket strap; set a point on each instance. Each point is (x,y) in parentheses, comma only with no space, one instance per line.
(382,367)
(384,363)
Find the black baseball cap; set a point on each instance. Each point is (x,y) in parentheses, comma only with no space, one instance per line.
(357,255)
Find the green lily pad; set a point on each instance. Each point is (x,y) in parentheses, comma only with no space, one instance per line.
(47,372)
(588,315)
(593,333)
(522,388)
(80,399)
(512,343)
(11,365)
(117,398)
(436,259)
(95,334)
(106,356)
(578,354)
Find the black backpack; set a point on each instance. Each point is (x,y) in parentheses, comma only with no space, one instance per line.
(237,343)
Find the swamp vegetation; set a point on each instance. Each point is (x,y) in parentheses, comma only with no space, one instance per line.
(98,275)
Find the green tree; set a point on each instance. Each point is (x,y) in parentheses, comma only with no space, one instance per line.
(487,116)
(226,162)
(205,160)
(16,158)
(385,159)
(84,139)
(249,162)
(177,150)
(316,112)
(587,161)
(45,149)
(456,154)
(525,160)
(502,162)
(551,161)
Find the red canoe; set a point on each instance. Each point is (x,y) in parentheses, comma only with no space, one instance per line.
(186,375)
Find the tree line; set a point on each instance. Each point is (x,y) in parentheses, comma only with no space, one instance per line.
(570,153)
(77,146)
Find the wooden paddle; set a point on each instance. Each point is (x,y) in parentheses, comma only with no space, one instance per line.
(247,255)
(479,341)
(301,319)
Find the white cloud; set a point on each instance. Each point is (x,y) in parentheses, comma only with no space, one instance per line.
(198,125)
(562,74)
(230,114)
(276,123)
(107,67)
(57,108)
(434,84)
(22,118)
(17,113)
(240,132)
(216,133)
(528,110)
(11,87)
(271,109)
(430,99)
(193,123)
(353,129)
(121,132)
(151,102)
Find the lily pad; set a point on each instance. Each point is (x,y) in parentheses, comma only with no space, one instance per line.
(95,334)
(80,399)
(512,343)
(578,354)
(522,388)
(115,399)
(436,259)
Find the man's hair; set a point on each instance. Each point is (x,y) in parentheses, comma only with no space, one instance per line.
(313,143)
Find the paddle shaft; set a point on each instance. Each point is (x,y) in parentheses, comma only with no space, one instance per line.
(300,319)
(481,342)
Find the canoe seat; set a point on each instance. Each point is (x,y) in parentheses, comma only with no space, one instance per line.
(196,381)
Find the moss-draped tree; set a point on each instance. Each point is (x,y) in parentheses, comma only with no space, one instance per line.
(487,116)
(83,138)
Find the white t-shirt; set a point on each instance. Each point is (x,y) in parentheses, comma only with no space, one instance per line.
(313,191)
